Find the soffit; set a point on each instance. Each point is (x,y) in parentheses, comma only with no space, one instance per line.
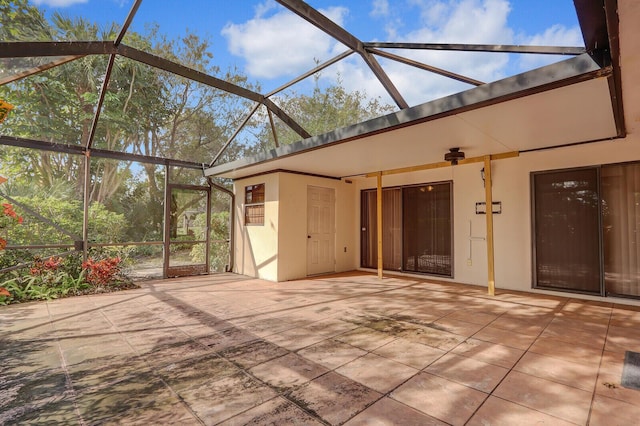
(573,113)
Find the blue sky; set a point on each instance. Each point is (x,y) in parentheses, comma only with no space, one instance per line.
(272,46)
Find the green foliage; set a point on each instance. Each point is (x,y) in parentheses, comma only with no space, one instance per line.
(219,248)
(20,21)
(10,258)
(57,277)
(24,288)
(104,225)
(72,264)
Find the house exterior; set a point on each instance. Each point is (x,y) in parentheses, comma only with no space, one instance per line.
(555,151)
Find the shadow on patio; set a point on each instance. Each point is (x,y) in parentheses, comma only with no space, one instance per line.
(347,348)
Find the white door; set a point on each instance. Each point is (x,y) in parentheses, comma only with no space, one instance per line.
(320,230)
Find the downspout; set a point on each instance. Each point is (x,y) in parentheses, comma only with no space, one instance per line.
(231,220)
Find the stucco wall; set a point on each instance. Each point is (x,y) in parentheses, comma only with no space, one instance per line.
(629,14)
(511,186)
(263,252)
(256,246)
(292,247)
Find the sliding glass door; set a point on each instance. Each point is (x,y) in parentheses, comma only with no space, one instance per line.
(567,230)
(427,229)
(391,229)
(417,229)
(621,228)
(586,225)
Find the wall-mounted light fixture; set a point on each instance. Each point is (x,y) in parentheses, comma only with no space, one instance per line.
(454,155)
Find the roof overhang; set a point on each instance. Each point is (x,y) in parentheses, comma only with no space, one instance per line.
(565,103)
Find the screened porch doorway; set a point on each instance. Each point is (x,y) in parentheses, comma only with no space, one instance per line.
(186,243)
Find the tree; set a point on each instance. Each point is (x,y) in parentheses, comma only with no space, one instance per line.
(20,21)
(323,110)
(104,226)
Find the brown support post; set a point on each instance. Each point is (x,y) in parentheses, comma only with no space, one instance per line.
(166,230)
(379,223)
(489,201)
(86,201)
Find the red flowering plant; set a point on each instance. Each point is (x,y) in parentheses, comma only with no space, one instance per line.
(102,272)
(42,267)
(8,217)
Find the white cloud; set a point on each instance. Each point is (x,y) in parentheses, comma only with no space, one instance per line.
(281,44)
(472,21)
(467,21)
(434,13)
(380,8)
(263,8)
(58,3)
(557,35)
(261,40)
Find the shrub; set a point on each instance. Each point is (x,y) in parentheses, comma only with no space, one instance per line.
(8,217)
(45,279)
(54,277)
(102,272)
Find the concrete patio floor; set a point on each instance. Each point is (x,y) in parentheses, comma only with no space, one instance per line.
(349,348)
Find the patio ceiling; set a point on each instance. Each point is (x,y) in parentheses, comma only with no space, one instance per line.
(565,103)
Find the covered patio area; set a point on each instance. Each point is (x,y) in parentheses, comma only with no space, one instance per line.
(340,349)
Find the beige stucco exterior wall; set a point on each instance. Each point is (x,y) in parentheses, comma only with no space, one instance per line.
(293,215)
(511,186)
(277,251)
(256,247)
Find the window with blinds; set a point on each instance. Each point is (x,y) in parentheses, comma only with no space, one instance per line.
(254,204)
